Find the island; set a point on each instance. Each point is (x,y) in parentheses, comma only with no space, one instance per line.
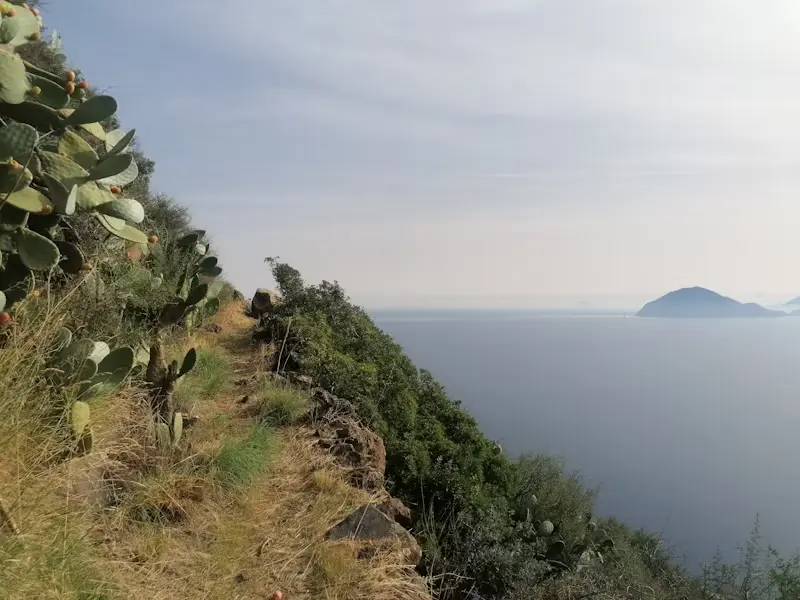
(698,302)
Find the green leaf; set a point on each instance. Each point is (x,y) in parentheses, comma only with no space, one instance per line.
(2,299)
(94,110)
(35,251)
(111,166)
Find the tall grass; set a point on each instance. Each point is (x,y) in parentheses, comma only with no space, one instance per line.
(240,461)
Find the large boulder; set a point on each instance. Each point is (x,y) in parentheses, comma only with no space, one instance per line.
(264,302)
(397,511)
(368,524)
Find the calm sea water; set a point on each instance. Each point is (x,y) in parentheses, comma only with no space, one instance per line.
(689,427)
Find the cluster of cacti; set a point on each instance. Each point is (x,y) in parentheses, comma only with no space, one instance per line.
(56,159)
(92,365)
(197,291)
(163,378)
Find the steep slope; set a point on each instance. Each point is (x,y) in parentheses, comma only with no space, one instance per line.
(240,512)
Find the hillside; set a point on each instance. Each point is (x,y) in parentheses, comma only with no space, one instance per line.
(697,302)
(161,437)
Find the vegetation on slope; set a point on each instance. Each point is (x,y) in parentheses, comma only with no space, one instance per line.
(491,527)
(139,476)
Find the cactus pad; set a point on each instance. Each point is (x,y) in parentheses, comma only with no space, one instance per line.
(26,25)
(40,116)
(125,177)
(91,195)
(94,110)
(177,428)
(77,150)
(188,362)
(29,199)
(111,166)
(63,339)
(123,208)
(14,179)
(17,140)
(51,94)
(117,141)
(35,251)
(79,416)
(62,168)
(2,301)
(72,258)
(64,200)
(100,351)
(14,83)
(115,367)
(126,232)
(163,437)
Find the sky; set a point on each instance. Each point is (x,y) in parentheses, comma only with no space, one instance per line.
(466,153)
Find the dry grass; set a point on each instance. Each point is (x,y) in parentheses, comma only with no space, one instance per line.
(129,522)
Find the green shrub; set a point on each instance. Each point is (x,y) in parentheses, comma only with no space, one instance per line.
(282,405)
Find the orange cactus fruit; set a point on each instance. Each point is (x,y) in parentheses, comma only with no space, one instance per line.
(69,87)
(5,319)
(152,239)
(84,85)
(115,189)
(69,76)
(34,37)
(35,91)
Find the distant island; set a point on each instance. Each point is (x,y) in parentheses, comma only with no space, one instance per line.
(697,302)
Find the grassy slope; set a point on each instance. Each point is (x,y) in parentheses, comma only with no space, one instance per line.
(240,513)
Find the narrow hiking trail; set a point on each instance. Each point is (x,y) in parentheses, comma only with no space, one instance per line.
(260,526)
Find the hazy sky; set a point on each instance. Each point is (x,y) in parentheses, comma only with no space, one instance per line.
(469,152)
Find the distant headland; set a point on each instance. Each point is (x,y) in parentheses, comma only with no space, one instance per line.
(697,302)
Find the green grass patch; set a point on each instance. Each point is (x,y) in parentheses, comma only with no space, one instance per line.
(282,405)
(212,375)
(240,461)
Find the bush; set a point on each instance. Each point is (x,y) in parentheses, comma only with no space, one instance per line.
(282,405)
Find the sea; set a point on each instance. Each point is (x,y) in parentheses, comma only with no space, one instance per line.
(688,428)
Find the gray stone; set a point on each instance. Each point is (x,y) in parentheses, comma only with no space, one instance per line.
(367,523)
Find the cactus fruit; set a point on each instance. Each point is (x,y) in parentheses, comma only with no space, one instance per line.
(115,189)
(69,76)
(34,91)
(69,88)
(5,318)
(153,239)
(545,528)
(84,85)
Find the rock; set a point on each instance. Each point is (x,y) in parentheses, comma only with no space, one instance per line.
(337,425)
(263,302)
(305,381)
(367,523)
(397,511)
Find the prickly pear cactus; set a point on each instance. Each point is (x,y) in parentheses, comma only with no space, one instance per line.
(48,169)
